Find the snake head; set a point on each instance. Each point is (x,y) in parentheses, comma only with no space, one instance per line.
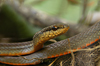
(48,33)
(51,31)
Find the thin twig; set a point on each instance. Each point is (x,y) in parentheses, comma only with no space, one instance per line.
(52,62)
(61,63)
(89,49)
(73,60)
(83,17)
(53,40)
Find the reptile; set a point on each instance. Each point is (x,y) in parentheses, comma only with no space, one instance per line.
(13,49)
(77,42)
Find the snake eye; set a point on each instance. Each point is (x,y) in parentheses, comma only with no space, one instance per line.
(54,28)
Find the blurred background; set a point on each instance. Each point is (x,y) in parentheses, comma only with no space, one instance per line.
(21,19)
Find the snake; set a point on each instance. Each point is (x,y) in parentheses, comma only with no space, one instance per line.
(13,49)
(77,42)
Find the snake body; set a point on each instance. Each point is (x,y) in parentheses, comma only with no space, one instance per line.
(13,49)
(60,48)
